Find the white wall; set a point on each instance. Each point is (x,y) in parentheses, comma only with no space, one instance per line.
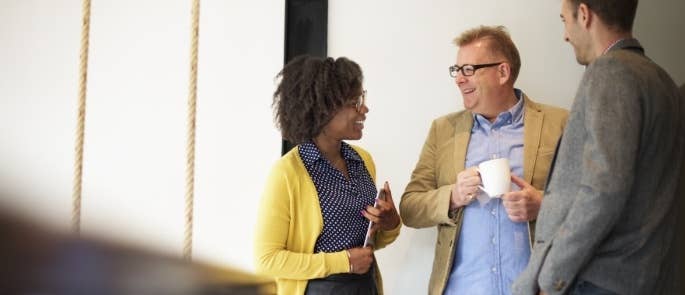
(241,50)
(38,96)
(405,47)
(659,26)
(134,161)
(136,118)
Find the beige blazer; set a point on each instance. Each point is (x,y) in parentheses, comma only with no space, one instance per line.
(425,202)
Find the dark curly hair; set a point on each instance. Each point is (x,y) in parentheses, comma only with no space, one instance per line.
(310,93)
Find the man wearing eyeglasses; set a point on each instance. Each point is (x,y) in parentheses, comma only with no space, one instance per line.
(482,245)
(609,222)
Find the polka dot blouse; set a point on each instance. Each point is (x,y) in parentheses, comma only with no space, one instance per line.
(341,200)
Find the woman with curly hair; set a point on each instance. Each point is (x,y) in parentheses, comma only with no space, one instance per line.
(319,197)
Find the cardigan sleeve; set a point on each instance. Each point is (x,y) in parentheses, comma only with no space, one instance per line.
(382,238)
(386,237)
(278,252)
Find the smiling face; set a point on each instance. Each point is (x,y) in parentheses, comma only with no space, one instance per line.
(346,124)
(480,91)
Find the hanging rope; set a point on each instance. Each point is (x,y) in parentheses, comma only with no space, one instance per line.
(190,148)
(81,121)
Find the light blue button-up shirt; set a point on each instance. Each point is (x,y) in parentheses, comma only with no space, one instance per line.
(492,250)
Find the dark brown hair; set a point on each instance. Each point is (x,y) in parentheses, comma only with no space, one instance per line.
(500,44)
(617,14)
(310,93)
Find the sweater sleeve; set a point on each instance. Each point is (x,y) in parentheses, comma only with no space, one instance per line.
(382,238)
(274,243)
(386,237)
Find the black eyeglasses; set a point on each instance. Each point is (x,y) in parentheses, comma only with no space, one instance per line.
(469,70)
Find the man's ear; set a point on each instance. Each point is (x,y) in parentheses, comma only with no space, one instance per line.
(584,15)
(504,72)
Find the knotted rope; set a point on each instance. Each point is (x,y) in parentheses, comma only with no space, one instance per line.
(81,120)
(190,148)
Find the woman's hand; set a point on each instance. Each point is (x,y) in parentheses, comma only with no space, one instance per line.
(384,215)
(360,259)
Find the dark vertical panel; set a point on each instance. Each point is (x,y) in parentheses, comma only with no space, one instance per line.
(306,32)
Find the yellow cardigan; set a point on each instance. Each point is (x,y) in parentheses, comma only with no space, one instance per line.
(289,222)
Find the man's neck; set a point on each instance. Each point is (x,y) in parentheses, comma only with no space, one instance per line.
(507,103)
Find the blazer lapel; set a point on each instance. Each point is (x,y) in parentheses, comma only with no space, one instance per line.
(462,135)
(532,128)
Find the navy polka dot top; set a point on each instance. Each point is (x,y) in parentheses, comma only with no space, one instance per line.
(341,200)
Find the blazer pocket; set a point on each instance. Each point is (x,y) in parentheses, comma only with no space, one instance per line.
(546,151)
(543,162)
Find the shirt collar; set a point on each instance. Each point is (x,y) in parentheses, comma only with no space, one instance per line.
(510,116)
(629,43)
(310,148)
(348,153)
(611,46)
(517,110)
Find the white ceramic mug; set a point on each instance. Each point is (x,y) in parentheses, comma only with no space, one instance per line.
(496,177)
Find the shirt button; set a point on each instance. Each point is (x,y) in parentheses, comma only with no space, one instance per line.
(493,241)
(494,269)
(493,212)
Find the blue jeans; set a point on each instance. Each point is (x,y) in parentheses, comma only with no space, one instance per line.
(587,288)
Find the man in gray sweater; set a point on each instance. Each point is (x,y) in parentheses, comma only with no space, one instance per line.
(607,224)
